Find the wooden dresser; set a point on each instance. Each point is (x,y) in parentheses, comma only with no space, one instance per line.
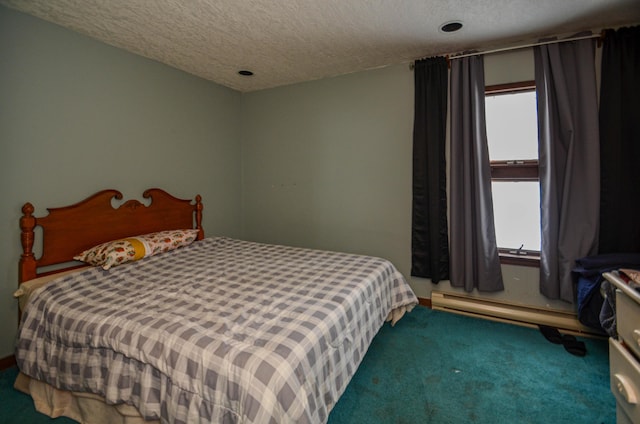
(624,353)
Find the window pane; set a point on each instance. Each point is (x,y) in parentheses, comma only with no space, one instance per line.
(516,209)
(512,127)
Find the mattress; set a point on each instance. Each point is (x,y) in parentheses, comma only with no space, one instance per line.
(222,330)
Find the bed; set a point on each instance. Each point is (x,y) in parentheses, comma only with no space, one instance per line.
(214,329)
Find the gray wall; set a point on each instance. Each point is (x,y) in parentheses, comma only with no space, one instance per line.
(327,164)
(78,116)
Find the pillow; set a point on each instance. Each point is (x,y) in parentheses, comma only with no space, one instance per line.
(26,289)
(130,249)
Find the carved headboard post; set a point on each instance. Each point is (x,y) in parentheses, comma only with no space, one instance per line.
(27,269)
(199,208)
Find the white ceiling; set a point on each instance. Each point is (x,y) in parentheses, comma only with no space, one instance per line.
(290,41)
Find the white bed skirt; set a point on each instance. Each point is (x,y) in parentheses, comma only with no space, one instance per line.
(85,408)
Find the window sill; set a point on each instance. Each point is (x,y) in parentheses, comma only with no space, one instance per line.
(531,260)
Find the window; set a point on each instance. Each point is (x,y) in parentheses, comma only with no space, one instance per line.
(512,135)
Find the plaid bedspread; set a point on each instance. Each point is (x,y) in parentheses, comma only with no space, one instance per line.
(223,331)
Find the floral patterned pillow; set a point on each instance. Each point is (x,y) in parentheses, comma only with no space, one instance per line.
(117,252)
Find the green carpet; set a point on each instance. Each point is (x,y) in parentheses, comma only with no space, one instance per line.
(16,407)
(436,367)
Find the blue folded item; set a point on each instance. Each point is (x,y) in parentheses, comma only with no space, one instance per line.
(588,276)
(590,301)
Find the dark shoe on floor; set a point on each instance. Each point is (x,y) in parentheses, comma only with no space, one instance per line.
(551,334)
(574,346)
(570,343)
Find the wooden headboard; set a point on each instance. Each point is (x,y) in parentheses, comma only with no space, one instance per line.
(69,230)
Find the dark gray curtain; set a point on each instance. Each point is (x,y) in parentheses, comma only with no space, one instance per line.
(474,253)
(429,233)
(569,161)
(620,142)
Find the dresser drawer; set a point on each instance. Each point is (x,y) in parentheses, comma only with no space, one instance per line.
(625,381)
(621,416)
(628,321)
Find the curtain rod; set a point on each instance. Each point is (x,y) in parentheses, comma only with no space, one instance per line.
(600,36)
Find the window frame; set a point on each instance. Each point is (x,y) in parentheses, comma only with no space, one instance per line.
(515,170)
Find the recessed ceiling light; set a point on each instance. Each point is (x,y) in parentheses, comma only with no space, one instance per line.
(245,73)
(451,26)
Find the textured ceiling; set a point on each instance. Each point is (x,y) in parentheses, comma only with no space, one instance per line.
(290,41)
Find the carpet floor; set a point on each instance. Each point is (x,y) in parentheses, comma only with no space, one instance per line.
(437,367)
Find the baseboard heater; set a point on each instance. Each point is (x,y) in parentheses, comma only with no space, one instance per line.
(512,313)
